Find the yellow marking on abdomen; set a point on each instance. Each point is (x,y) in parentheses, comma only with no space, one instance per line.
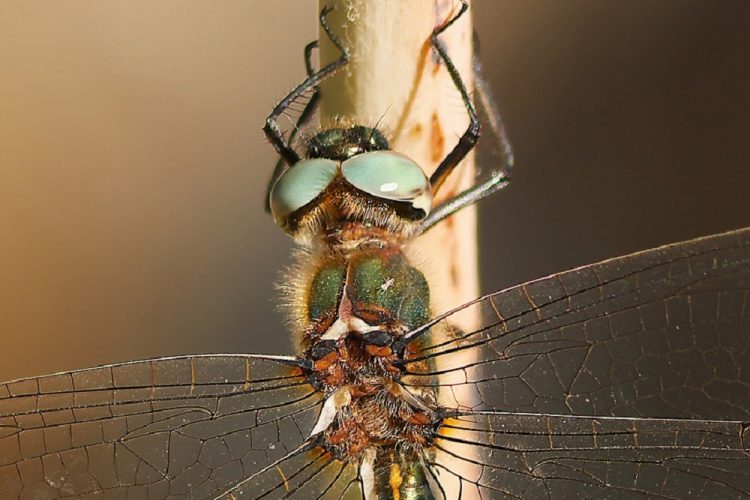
(395,480)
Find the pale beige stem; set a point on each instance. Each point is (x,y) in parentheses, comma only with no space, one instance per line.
(395,80)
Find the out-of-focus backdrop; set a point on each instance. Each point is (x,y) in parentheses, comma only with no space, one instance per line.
(132,164)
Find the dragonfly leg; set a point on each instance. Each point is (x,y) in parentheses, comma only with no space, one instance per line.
(499,177)
(307,112)
(272,130)
(469,138)
(491,109)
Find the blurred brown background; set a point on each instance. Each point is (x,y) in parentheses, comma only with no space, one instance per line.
(132,164)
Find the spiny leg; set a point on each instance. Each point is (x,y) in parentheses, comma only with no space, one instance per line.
(271,128)
(491,109)
(307,112)
(499,177)
(469,138)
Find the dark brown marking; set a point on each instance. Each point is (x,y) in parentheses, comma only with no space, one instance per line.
(418,75)
(391,369)
(415,131)
(326,361)
(338,436)
(247,374)
(336,376)
(378,351)
(361,390)
(454,274)
(351,435)
(437,139)
(419,418)
(323,323)
(372,314)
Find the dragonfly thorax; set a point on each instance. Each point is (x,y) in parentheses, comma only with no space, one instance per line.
(372,292)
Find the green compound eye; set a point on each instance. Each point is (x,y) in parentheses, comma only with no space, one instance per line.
(299,185)
(391,176)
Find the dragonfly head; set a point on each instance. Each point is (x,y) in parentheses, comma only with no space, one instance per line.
(350,181)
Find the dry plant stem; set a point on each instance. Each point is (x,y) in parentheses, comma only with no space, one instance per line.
(395,80)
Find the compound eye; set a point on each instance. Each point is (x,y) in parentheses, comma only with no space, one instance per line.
(390,176)
(299,185)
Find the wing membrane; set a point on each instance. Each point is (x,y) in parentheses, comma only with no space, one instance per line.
(559,456)
(177,427)
(661,333)
(308,473)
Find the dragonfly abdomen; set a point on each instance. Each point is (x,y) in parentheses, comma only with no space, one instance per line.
(390,474)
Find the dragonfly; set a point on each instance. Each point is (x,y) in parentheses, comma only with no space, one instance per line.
(624,378)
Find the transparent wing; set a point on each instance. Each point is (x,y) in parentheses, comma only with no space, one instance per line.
(309,473)
(494,151)
(180,427)
(662,333)
(495,455)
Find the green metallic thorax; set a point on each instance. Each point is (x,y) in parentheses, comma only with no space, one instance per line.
(383,287)
(325,291)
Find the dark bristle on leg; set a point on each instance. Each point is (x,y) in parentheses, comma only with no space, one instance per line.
(307,112)
(470,137)
(271,129)
(499,177)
